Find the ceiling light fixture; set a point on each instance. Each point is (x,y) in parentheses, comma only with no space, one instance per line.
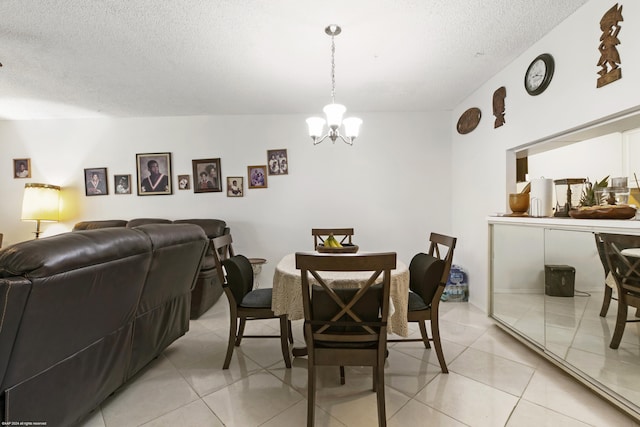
(333,111)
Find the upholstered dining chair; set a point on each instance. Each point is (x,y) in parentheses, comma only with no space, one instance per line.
(625,270)
(428,274)
(346,326)
(342,235)
(245,303)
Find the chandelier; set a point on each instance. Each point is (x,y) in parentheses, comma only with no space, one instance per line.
(333,111)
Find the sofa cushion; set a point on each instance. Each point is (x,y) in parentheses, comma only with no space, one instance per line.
(142,221)
(93,225)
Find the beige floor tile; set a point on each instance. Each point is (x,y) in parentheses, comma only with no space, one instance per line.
(468,401)
(252,401)
(528,414)
(195,414)
(415,413)
(498,342)
(145,399)
(408,374)
(296,416)
(417,350)
(495,371)
(555,390)
(206,375)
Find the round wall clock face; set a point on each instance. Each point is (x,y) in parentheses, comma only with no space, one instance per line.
(539,74)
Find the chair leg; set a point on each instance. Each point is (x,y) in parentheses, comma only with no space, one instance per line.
(621,321)
(423,332)
(243,322)
(342,377)
(437,344)
(290,331)
(311,393)
(379,376)
(284,344)
(606,301)
(233,327)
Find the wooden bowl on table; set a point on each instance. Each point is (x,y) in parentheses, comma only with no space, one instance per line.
(347,248)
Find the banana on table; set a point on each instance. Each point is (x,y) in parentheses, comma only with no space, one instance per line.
(331,242)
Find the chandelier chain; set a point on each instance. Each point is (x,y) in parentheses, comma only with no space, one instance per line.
(333,69)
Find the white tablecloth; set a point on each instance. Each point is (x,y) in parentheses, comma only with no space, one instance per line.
(287,291)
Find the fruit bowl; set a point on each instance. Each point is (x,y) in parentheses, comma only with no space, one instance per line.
(346,248)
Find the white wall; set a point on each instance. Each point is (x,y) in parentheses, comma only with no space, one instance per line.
(392,185)
(572,99)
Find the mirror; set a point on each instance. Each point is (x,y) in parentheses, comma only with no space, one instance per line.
(517,297)
(574,329)
(526,262)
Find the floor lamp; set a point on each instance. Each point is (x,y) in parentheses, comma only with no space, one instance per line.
(41,202)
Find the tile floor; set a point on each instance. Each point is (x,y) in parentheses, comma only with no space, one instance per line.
(494,381)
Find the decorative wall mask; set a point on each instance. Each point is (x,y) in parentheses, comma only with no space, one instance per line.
(609,57)
(469,120)
(498,106)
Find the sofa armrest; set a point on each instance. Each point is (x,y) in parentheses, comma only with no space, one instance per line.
(14,292)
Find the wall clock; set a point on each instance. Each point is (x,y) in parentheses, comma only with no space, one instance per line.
(539,74)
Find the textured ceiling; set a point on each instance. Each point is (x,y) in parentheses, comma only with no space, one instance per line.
(124,58)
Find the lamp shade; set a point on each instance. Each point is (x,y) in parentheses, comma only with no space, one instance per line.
(315,126)
(334,114)
(41,202)
(352,127)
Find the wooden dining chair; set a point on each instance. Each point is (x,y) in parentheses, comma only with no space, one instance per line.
(346,326)
(245,303)
(608,290)
(342,235)
(428,275)
(625,271)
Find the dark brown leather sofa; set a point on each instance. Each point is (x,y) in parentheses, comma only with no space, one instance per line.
(82,312)
(208,288)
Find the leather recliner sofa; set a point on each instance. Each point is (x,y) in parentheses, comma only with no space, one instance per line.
(208,288)
(83,312)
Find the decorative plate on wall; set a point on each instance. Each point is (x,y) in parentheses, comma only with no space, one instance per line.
(469,120)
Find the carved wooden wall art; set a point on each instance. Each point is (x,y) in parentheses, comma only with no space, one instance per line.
(469,120)
(498,106)
(609,57)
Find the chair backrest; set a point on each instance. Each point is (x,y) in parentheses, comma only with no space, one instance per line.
(601,253)
(442,247)
(625,270)
(222,249)
(425,276)
(342,235)
(345,317)
(239,276)
(1,236)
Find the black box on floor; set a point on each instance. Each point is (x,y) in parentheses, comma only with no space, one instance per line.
(559,280)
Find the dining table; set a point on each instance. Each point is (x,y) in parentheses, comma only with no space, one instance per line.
(287,291)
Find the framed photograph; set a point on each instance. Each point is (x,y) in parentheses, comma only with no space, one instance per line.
(278,162)
(154,174)
(95,182)
(184,182)
(235,186)
(122,184)
(207,177)
(257,176)
(22,168)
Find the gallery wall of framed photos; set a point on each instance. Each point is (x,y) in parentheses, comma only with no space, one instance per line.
(154,176)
